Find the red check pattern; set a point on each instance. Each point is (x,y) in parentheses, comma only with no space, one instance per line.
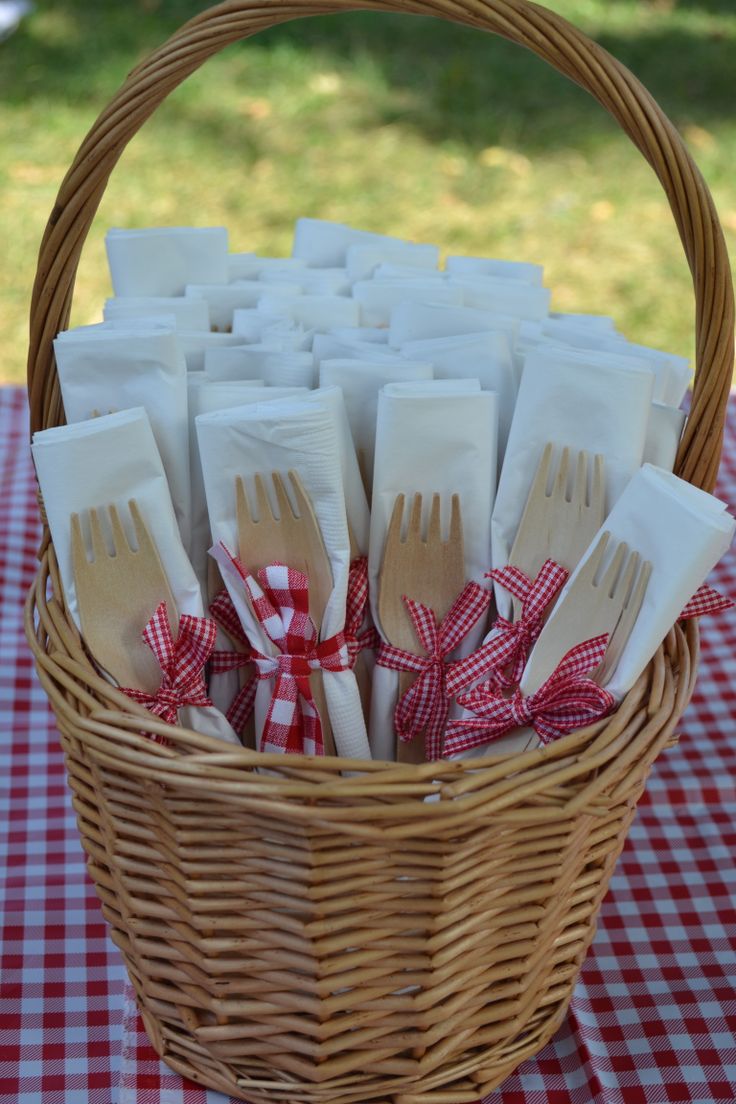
(241,708)
(653,1018)
(535,596)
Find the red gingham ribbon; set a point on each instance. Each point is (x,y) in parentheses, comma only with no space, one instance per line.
(535,597)
(567,700)
(280,600)
(424,706)
(706,600)
(181,661)
(223,610)
(355,608)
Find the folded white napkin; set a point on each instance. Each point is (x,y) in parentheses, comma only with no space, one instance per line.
(377,298)
(310,281)
(664,431)
(483,356)
(562,400)
(276,368)
(503,296)
(109,460)
(330,347)
(189,314)
(144,323)
(223,299)
(249,266)
(317,312)
(489,266)
(255,327)
(206,396)
(361,381)
(597,321)
(194,345)
(431,437)
(113,370)
(162,260)
(683,532)
(390,270)
(362,260)
(360,333)
(419,321)
(324,244)
(279,437)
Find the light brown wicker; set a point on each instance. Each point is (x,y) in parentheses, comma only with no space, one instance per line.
(304,936)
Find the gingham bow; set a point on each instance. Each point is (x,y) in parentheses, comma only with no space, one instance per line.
(355,607)
(181,661)
(280,599)
(241,708)
(567,700)
(535,597)
(705,600)
(424,706)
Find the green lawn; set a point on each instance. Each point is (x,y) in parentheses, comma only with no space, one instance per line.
(397,124)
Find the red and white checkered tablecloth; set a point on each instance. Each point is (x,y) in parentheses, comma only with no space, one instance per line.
(653,1018)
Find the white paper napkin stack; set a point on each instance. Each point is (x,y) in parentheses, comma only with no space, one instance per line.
(362,260)
(664,431)
(162,260)
(329,346)
(310,281)
(188,314)
(503,296)
(419,321)
(324,244)
(249,266)
(275,368)
(315,312)
(361,381)
(432,437)
(490,266)
(603,411)
(683,532)
(377,298)
(279,437)
(112,370)
(223,299)
(109,460)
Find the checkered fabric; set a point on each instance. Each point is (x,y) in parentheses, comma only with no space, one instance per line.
(240,710)
(535,596)
(653,1017)
(566,701)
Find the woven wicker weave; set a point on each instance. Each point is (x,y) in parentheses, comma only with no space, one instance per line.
(304,936)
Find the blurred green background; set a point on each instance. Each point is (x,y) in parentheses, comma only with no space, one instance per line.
(397,124)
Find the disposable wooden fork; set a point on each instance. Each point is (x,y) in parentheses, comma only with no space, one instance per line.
(293,537)
(117,592)
(430,570)
(598,601)
(561,523)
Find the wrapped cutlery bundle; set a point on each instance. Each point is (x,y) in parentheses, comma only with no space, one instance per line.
(369,594)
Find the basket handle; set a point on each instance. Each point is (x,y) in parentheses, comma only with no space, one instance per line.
(546,34)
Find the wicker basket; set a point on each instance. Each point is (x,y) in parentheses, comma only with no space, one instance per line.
(310,936)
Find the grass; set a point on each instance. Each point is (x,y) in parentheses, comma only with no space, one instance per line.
(398,124)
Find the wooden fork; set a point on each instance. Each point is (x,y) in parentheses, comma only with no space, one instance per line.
(431,571)
(598,601)
(559,525)
(292,537)
(118,591)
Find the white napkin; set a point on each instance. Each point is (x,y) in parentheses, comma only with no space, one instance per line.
(597,321)
(361,381)
(330,347)
(144,323)
(276,368)
(377,298)
(115,369)
(683,532)
(418,321)
(206,396)
(390,270)
(110,460)
(223,299)
(316,312)
(255,327)
(189,314)
(483,356)
(431,437)
(162,260)
(489,266)
(310,281)
(561,400)
(300,436)
(503,296)
(194,345)
(249,266)
(360,333)
(361,260)
(324,244)
(664,431)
